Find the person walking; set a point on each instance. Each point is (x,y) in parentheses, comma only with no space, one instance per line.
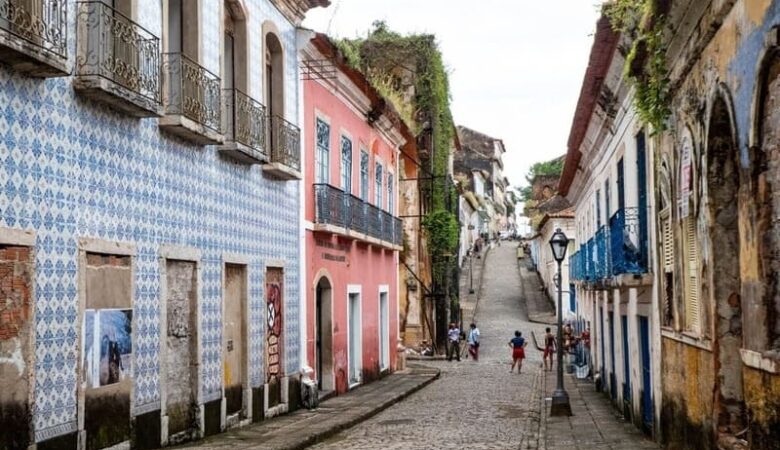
(518,351)
(549,348)
(453,341)
(473,341)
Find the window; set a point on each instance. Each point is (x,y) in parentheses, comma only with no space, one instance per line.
(607,200)
(322,163)
(346,164)
(378,190)
(274,76)
(598,209)
(364,175)
(390,196)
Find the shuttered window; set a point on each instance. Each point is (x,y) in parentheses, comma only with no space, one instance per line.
(692,298)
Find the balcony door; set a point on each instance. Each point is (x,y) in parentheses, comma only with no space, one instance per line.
(182,32)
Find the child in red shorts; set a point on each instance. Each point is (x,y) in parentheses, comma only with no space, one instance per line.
(518,351)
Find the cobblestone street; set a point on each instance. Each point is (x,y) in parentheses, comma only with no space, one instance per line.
(475,405)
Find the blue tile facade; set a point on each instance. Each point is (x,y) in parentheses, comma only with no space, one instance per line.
(73,168)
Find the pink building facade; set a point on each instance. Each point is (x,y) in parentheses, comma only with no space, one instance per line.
(353,237)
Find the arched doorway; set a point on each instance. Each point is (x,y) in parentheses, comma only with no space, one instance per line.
(323,332)
(723,209)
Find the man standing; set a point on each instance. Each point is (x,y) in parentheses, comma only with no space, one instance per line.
(453,341)
(473,341)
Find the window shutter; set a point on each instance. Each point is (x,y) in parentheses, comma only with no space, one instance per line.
(692,307)
(667,241)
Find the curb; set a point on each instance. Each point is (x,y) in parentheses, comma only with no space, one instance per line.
(315,438)
(532,438)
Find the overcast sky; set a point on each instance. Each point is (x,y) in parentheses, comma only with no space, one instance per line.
(515,65)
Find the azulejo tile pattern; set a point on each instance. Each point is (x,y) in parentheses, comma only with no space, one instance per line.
(72,168)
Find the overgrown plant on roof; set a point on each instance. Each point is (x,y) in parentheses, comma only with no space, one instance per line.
(409,72)
(643,22)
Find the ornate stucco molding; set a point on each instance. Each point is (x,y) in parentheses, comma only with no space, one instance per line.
(295,10)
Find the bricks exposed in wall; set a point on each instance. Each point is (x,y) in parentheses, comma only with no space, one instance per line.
(15,349)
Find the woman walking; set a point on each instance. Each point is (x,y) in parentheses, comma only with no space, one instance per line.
(518,351)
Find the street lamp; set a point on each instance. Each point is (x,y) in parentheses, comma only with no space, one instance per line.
(560,399)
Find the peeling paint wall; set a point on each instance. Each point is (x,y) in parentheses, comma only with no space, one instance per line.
(16,327)
(724,68)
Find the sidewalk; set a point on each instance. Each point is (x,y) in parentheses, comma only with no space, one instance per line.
(468,280)
(595,423)
(540,309)
(304,428)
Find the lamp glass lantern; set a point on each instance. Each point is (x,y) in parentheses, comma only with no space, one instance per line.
(559,243)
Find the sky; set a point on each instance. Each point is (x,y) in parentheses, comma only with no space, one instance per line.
(515,66)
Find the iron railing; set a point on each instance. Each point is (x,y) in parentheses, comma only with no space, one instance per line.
(285,143)
(118,49)
(192,91)
(41,23)
(335,207)
(245,121)
(357,214)
(626,250)
(602,256)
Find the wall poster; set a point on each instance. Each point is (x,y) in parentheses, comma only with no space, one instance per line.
(108,346)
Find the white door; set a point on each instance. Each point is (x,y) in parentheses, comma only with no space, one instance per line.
(355,347)
(384,332)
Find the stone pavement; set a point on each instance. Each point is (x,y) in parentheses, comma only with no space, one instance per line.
(303,428)
(595,424)
(474,405)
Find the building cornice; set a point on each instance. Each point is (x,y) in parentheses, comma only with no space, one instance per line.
(295,10)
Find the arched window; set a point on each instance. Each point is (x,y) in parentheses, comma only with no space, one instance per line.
(764,194)
(234,55)
(687,214)
(274,75)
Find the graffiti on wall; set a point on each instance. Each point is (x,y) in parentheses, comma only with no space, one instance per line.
(273,291)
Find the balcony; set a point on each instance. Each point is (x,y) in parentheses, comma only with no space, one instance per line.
(615,255)
(340,213)
(33,36)
(245,128)
(285,150)
(118,61)
(626,248)
(192,99)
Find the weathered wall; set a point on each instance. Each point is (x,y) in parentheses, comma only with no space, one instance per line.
(107,398)
(181,357)
(687,375)
(719,64)
(234,336)
(762,395)
(16,326)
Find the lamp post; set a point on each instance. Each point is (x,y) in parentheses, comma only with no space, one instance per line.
(560,398)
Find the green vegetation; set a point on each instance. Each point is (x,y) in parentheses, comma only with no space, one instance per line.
(643,22)
(409,72)
(553,167)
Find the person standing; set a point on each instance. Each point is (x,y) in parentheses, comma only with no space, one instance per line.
(473,341)
(518,351)
(453,342)
(549,348)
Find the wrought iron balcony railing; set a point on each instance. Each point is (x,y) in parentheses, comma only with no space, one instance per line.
(114,48)
(626,246)
(356,219)
(285,143)
(335,207)
(245,123)
(602,255)
(39,25)
(192,91)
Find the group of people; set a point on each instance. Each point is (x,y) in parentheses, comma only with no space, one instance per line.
(517,344)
